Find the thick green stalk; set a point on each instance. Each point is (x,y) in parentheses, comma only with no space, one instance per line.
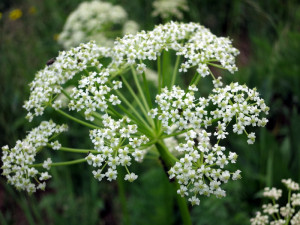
(169,160)
(183,207)
(165,154)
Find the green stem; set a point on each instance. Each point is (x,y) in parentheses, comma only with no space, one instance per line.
(75,150)
(159,74)
(144,110)
(143,127)
(147,90)
(175,71)
(169,160)
(289,203)
(165,154)
(212,75)
(131,107)
(122,197)
(77,120)
(137,82)
(196,79)
(111,110)
(66,94)
(183,208)
(184,131)
(60,163)
(216,65)
(274,203)
(175,134)
(118,73)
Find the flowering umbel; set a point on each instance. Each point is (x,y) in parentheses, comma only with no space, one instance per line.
(109,88)
(273,214)
(17,161)
(96,20)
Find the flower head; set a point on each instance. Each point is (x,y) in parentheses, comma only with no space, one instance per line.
(15,14)
(17,161)
(48,82)
(192,41)
(276,214)
(117,144)
(201,167)
(95,20)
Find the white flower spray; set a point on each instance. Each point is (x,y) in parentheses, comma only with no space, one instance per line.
(96,20)
(126,120)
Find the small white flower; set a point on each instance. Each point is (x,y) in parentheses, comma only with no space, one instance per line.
(47,164)
(251,138)
(130,177)
(45,176)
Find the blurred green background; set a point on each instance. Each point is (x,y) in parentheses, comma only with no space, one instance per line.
(267,33)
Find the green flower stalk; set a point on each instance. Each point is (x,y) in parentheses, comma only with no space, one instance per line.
(128,121)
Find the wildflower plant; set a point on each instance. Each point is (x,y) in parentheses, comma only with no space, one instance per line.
(127,121)
(273,213)
(96,20)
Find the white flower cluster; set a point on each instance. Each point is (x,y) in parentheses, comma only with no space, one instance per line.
(290,184)
(272,193)
(117,143)
(280,215)
(48,82)
(167,9)
(201,169)
(17,161)
(94,93)
(96,20)
(192,41)
(234,101)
